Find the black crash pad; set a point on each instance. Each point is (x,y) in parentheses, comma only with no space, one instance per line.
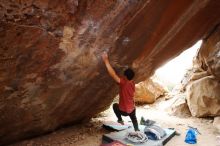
(120,136)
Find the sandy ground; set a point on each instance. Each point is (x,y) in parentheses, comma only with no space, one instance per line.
(90,134)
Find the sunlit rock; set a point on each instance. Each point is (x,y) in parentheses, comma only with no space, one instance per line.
(51,73)
(148,91)
(203,97)
(216,124)
(179,106)
(204,86)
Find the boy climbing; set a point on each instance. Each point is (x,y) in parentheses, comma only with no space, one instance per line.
(126,106)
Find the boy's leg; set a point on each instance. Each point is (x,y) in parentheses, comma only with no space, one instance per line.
(117,112)
(134,120)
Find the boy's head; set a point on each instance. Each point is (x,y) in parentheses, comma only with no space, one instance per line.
(129,73)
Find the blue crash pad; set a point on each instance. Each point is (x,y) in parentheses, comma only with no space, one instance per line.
(115,126)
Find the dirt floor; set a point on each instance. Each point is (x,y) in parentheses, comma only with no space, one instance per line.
(90,134)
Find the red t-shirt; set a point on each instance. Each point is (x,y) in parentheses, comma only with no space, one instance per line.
(126,94)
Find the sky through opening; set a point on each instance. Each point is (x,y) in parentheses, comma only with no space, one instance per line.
(173,71)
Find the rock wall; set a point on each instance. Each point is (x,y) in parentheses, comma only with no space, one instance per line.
(51,73)
(204,97)
(208,58)
(204,87)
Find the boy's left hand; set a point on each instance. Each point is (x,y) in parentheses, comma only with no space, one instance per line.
(104,56)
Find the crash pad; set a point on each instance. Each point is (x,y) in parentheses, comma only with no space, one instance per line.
(120,136)
(115,126)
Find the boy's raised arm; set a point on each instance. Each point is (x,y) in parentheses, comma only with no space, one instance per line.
(111,71)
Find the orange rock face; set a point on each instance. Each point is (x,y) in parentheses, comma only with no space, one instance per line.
(51,73)
(148,91)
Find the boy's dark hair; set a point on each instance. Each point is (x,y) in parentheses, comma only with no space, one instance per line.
(129,73)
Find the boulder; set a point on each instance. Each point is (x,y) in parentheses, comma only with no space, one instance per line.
(203,97)
(142,95)
(204,82)
(148,91)
(216,124)
(179,106)
(51,73)
(208,58)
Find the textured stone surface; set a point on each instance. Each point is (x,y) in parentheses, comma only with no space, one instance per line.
(179,106)
(51,73)
(148,91)
(204,97)
(216,124)
(208,58)
(204,82)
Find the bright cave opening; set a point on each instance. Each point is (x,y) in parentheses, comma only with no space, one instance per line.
(171,74)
